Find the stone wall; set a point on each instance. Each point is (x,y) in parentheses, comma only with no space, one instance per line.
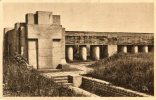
(104,88)
(108,38)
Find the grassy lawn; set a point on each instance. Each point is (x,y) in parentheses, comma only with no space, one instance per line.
(18,80)
(133,71)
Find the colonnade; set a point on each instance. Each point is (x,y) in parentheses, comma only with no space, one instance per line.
(83,53)
(136,48)
(96,51)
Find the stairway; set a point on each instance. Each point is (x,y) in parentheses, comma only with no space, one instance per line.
(62,80)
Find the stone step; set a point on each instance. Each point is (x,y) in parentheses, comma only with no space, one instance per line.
(65,84)
(60,78)
(56,76)
(61,81)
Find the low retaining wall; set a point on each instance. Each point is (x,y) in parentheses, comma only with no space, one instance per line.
(82,92)
(103,88)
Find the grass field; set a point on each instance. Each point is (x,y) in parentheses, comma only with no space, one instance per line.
(133,71)
(18,80)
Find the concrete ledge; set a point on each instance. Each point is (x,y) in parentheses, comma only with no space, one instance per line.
(76,80)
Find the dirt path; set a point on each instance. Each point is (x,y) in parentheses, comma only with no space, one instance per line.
(82,66)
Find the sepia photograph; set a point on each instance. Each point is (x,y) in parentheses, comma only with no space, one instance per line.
(78,49)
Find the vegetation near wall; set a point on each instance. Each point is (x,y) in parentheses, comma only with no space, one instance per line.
(133,71)
(18,80)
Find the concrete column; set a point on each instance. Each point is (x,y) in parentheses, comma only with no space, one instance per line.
(135,49)
(70,53)
(124,49)
(145,49)
(111,49)
(22,41)
(22,50)
(88,50)
(84,53)
(17,27)
(96,53)
(152,49)
(30,18)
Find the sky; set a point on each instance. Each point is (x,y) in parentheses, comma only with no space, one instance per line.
(100,17)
